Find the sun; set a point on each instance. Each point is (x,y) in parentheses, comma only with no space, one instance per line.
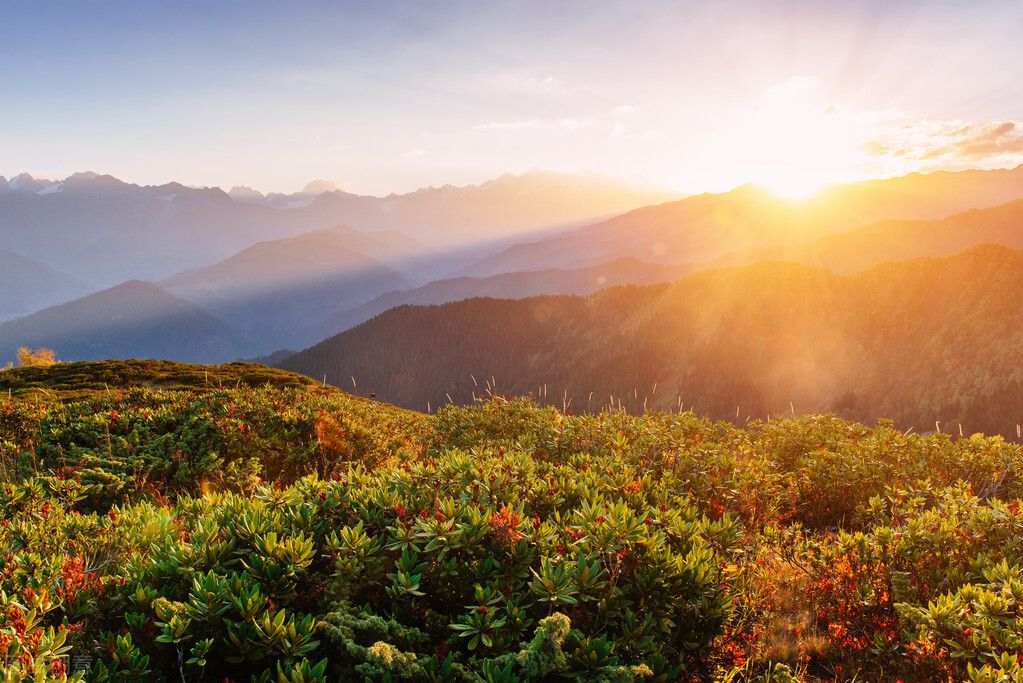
(793,186)
(794,143)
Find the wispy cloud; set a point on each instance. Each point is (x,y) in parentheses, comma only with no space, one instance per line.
(569,124)
(415,152)
(528,81)
(495,125)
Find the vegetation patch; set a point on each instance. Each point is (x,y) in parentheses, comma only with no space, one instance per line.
(271,532)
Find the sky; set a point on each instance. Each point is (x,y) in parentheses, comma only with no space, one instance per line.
(392,95)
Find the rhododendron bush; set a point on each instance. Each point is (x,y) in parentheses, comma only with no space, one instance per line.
(291,534)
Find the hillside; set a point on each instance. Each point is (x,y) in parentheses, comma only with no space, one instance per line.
(271,290)
(164,511)
(744,342)
(313,254)
(845,252)
(519,285)
(122,321)
(896,240)
(26,286)
(75,380)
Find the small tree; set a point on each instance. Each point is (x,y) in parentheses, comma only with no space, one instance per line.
(36,357)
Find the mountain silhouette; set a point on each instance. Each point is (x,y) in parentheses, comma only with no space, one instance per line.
(132,320)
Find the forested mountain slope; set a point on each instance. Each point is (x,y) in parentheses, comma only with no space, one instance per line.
(921,341)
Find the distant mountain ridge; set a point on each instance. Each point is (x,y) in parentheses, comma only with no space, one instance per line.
(705,227)
(104,231)
(498,208)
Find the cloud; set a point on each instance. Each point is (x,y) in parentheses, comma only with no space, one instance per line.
(931,145)
(415,151)
(625,109)
(509,124)
(525,82)
(564,124)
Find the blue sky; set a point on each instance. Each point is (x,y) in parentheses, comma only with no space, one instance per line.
(390,96)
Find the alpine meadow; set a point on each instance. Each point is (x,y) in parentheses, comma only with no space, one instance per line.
(648,342)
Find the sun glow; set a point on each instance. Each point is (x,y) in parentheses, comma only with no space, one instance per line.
(794,186)
(795,141)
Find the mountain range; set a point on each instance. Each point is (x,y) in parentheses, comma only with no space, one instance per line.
(105,231)
(776,288)
(274,268)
